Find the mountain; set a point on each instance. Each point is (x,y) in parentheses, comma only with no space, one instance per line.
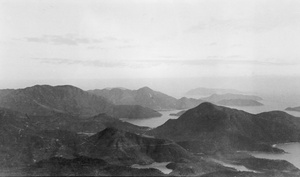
(114,152)
(46,100)
(64,145)
(293,109)
(234,99)
(239,102)
(42,137)
(23,141)
(121,147)
(202,91)
(31,148)
(37,138)
(145,97)
(14,132)
(209,128)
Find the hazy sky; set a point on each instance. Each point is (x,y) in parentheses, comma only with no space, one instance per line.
(103,39)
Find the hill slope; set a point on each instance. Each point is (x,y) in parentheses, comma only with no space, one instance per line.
(26,139)
(121,147)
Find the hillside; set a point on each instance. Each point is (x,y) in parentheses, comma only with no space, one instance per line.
(62,144)
(46,100)
(87,125)
(209,128)
(145,97)
(34,137)
(120,147)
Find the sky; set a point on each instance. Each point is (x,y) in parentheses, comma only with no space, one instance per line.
(61,41)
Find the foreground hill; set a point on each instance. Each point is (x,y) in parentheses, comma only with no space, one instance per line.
(115,152)
(84,166)
(46,100)
(145,97)
(41,137)
(209,128)
(121,147)
(25,143)
(53,145)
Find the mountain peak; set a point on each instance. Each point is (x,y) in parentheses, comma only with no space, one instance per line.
(110,131)
(146,89)
(35,87)
(207,106)
(114,88)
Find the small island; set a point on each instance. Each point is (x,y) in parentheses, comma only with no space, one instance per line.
(293,109)
(239,102)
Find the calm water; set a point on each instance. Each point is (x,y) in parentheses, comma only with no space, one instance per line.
(160,166)
(153,122)
(292,155)
(237,167)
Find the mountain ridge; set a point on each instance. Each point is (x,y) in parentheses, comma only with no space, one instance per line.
(46,99)
(146,97)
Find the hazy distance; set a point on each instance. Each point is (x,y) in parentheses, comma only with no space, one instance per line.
(170,46)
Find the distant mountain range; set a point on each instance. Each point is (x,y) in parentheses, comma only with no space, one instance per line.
(203,91)
(230,99)
(209,128)
(229,96)
(46,100)
(145,97)
(293,109)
